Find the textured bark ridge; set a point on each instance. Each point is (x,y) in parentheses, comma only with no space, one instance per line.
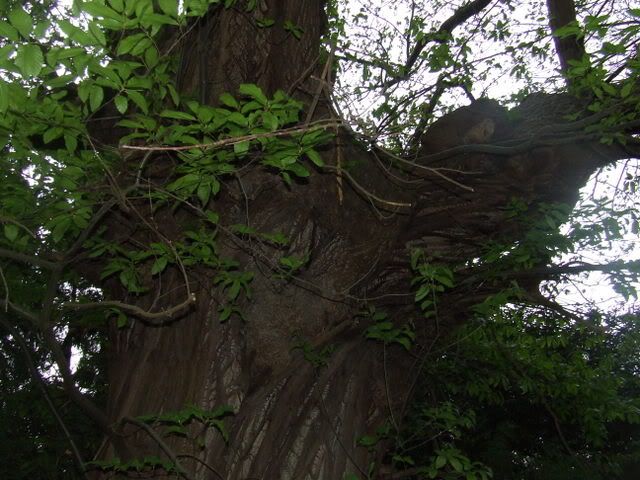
(293,420)
(231,48)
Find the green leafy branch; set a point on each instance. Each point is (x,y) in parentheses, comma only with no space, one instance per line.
(431,280)
(384,330)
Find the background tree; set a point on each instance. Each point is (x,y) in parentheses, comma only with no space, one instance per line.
(256,288)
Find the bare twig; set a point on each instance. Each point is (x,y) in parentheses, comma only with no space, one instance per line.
(367,193)
(434,171)
(461,15)
(6,290)
(202,462)
(386,387)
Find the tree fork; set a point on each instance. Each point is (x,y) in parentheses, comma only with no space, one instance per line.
(294,420)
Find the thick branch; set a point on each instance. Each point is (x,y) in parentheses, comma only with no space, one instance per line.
(570,47)
(580,268)
(30,259)
(134,310)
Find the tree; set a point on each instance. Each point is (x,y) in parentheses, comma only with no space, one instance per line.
(269,291)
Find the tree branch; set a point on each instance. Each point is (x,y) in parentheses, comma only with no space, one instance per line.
(460,16)
(155,317)
(571,47)
(25,258)
(579,268)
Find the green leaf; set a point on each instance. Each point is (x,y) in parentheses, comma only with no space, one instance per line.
(98,9)
(121,104)
(70,142)
(151,57)
(76,34)
(253,91)
(7,31)
(96,95)
(225,313)
(229,101)
(41,28)
(11,231)
(299,170)
(315,157)
(626,90)
(204,193)
(234,290)
(61,228)
(456,464)
(367,441)
(251,106)
(60,82)
(52,133)
(175,97)
(139,100)
(98,34)
(241,148)
(270,121)
(441,461)
(158,20)
(22,21)
(108,76)
(128,43)
(170,7)
(159,265)
(141,47)
(121,321)
(213,217)
(238,119)
(29,60)
(118,5)
(294,29)
(176,115)
(188,182)
(130,124)
(265,22)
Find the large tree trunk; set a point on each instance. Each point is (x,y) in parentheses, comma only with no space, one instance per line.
(293,420)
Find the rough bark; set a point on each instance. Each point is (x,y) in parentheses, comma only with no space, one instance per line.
(294,421)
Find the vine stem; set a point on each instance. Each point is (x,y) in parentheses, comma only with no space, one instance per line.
(320,124)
